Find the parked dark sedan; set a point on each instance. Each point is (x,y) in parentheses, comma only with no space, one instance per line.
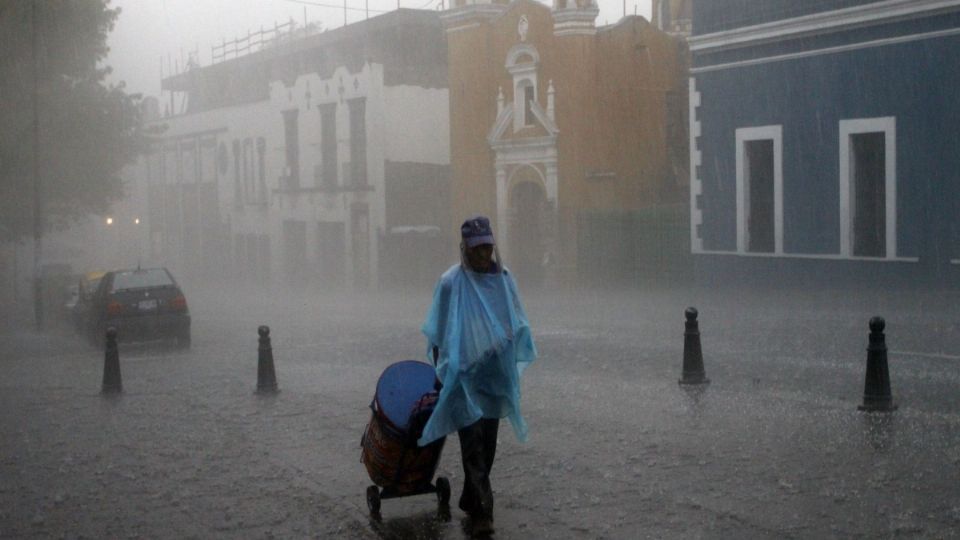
(142,304)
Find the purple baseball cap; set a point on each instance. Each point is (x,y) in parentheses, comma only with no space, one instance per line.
(476,231)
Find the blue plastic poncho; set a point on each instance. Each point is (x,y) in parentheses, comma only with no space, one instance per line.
(478,324)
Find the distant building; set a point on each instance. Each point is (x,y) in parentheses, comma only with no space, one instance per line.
(824,141)
(309,159)
(571,136)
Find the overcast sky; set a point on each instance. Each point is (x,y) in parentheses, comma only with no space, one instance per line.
(150,29)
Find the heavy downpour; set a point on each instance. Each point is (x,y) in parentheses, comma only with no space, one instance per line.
(446,269)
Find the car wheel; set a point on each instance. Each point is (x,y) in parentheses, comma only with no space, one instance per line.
(373,500)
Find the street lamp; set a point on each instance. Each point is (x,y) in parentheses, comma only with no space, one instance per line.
(138,238)
(37,180)
(114,251)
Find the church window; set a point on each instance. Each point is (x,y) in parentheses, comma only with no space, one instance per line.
(528,99)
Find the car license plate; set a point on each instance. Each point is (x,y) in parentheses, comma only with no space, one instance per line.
(147,305)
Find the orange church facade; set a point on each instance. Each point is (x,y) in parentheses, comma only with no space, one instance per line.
(553,120)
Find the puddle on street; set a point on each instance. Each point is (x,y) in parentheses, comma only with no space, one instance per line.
(422,526)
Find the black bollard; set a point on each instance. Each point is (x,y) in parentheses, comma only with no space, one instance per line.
(266,376)
(112,382)
(876,388)
(693,372)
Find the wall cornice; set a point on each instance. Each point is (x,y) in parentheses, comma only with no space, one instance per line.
(470,14)
(575,21)
(883,12)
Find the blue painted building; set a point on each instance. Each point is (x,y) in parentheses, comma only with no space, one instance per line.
(825,141)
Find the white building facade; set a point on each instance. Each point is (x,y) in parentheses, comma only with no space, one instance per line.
(298,164)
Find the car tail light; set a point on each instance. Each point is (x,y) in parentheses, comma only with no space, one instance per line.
(179,303)
(114,308)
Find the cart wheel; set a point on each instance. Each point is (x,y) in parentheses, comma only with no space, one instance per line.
(373,499)
(443,491)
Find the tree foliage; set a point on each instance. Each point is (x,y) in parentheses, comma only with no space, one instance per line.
(87,130)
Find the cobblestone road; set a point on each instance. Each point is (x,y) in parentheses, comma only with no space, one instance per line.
(773,448)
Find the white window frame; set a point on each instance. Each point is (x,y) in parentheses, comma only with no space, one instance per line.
(528,119)
(758,133)
(520,83)
(523,71)
(888,126)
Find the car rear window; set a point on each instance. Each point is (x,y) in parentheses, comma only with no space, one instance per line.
(138,279)
(90,288)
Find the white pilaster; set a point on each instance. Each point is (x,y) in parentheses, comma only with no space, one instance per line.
(696,187)
(502,232)
(550,93)
(552,182)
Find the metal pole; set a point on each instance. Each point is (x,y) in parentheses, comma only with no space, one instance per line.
(16,275)
(344,12)
(37,183)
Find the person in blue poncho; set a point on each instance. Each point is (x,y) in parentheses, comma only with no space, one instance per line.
(479,339)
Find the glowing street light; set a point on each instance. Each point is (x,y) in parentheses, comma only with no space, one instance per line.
(109,221)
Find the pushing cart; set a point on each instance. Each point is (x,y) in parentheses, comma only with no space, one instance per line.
(403,402)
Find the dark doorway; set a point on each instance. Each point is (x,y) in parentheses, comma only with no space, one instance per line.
(760,208)
(291,133)
(527,230)
(358,142)
(869,194)
(328,145)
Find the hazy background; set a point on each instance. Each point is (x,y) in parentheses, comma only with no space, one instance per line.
(147,30)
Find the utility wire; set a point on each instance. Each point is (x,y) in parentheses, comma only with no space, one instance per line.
(335,6)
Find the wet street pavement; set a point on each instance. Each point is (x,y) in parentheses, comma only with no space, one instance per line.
(773,447)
